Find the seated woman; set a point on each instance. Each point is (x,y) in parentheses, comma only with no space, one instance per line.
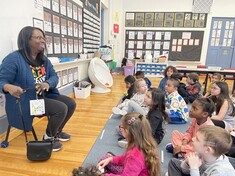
(24,75)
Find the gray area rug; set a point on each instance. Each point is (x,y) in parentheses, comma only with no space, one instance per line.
(107,142)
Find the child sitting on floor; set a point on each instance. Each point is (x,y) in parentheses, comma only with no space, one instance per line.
(136,103)
(176,107)
(210,144)
(201,111)
(140,74)
(130,86)
(141,157)
(156,116)
(193,87)
(167,74)
(225,111)
(182,86)
(214,78)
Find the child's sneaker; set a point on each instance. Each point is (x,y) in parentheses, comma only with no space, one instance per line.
(169,148)
(118,111)
(122,143)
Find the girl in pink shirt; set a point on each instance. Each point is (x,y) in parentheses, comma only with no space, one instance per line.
(201,111)
(141,156)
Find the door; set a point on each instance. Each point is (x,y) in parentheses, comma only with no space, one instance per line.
(221,43)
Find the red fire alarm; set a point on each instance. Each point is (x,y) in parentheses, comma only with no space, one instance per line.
(116,28)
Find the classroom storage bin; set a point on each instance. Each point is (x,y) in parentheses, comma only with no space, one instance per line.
(82,89)
(129,70)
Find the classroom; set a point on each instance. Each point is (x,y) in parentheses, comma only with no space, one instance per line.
(86,43)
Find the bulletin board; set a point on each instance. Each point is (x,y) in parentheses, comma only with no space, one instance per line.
(179,45)
(63,28)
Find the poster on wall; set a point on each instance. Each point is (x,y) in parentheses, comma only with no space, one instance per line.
(49,44)
(79,14)
(75,12)
(158,19)
(69,9)
(75,44)
(70,28)
(47,22)
(47,4)
(57,45)
(75,29)
(149,17)
(64,45)
(38,23)
(63,7)
(56,24)
(70,43)
(130,19)
(55,6)
(63,26)
(139,19)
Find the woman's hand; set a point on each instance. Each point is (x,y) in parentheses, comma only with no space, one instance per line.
(104,162)
(15,91)
(194,161)
(41,87)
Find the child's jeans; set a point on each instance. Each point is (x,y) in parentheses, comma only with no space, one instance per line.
(111,167)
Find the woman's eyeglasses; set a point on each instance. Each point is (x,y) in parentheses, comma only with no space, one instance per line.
(215,88)
(39,37)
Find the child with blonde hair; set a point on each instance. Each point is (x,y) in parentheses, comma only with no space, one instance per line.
(141,157)
(208,159)
(214,78)
(136,103)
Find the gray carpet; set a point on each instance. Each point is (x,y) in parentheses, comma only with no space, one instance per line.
(107,141)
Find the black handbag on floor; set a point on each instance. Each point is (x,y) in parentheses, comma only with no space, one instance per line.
(36,150)
(39,150)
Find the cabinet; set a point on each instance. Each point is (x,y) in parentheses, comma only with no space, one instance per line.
(151,69)
(68,72)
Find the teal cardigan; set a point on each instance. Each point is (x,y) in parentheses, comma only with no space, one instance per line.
(15,70)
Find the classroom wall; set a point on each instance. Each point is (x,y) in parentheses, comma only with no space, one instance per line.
(13,16)
(220,8)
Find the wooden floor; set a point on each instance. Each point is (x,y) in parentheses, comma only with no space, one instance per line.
(88,120)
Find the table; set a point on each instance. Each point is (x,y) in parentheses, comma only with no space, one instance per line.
(207,72)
